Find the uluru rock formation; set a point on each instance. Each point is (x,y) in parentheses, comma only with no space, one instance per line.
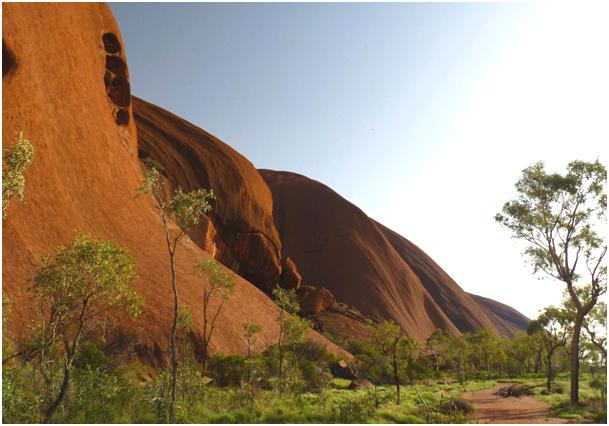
(506,319)
(370,267)
(245,236)
(66,85)
(336,246)
(67,88)
(467,311)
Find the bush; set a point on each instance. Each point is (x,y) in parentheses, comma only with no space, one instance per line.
(92,357)
(227,370)
(315,376)
(97,397)
(357,409)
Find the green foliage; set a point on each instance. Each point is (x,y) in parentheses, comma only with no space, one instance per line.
(76,287)
(18,157)
(286,300)
(216,281)
(227,370)
(558,215)
(88,272)
(185,322)
(186,208)
(292,329)
(91,357)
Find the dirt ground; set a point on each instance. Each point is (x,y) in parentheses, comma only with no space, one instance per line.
(490,408)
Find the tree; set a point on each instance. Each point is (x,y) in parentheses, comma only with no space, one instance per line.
(557,216)
(216,284)
(594,326)
(438,347)
(395,349)
(521,354)
(251,330)
(77,286)
(485,350)
(186,209)
(457,355)
(18,157)
(551,325)
(291,327)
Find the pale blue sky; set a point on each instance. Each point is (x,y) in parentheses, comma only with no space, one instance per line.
(422,115)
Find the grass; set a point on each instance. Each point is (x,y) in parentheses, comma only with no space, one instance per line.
(126,399)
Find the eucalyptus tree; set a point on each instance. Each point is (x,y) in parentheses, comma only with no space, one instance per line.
(397,351)
(217,284)
(76,287)
(557,216)
(594,327)
(186,210)
(18,157)
(251,330)
(292,328)
(552,328)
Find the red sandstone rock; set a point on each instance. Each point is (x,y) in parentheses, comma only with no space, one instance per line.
(86,172)
(313,300)
(370,267)
(290,277)
(242,216)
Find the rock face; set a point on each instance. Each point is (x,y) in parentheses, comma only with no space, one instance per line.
(313,300)
(86,172)
(368,266)
(246,240)
(290,277)
(467,311)
(505,317)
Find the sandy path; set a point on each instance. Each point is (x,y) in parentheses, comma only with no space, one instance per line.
(489,408)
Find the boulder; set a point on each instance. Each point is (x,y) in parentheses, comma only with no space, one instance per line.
(342,370)
(290,277)
(313,300)
(515,389)
(455,406)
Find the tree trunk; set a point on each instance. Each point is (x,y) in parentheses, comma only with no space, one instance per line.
(205,358)
(396,377)
(280,363)
(48,415)
(577,328)
(549,384)
(172,341)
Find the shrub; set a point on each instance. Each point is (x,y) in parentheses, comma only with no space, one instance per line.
(92,357)
(227,370)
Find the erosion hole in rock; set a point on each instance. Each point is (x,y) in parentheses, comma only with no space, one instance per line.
(111,43)
(120,92)
(122,117)
(8,60)
(116,65)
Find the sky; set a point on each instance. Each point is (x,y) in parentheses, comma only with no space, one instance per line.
(422,115)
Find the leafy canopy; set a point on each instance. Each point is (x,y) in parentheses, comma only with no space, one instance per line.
(216,281)
(18,157)
(88,275)
(558,216)
(185,207)
(292,327)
